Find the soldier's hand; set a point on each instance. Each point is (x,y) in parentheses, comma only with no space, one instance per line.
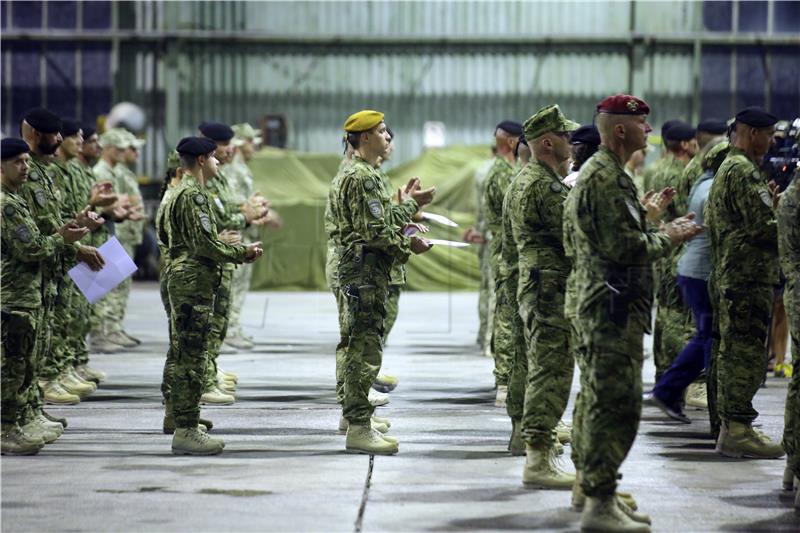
(682,229)
(230,237)
(413,227)
(424,196)
(89,218)
(420,245)
(102,194)
(254,208)
(774,190)
(135,213)
(71,232)
(473,236)
(90,256)
(656,203)
(252,252)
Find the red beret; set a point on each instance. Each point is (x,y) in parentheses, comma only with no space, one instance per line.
(623,104)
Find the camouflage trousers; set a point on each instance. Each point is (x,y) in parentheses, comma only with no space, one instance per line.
(502,335)
(673,326)
(169,363)
(579,409)
(341,347)
(549,354)
(19,331)
(791,428)
(611,392)
(392,303)
(711,371)
(486,299)
(34,395)
(518,367)
(61,354)
(192,293)
(219,325)
(365,313)
(744,321)
(240,286)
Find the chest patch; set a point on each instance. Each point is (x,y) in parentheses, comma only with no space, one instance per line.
(23,233)
(375,208)
(205,222)
(41,197)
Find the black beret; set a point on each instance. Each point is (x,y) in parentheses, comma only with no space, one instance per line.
(216,131)
(196,146)
(43,120)
(88,131)
(12,147)
(712,125)
(69,127)
(667,125)
(756,117)
(680,131)
(510,126)
(588,134)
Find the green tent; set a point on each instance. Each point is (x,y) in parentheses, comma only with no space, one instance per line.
(297,185)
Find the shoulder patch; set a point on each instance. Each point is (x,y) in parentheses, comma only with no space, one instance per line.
(41,197)
(555,187)
(623,182)
(766,197)
(199,199)
(34,175)
(9,210)
(369,185)
(23,233)
(205,222)
(375,208)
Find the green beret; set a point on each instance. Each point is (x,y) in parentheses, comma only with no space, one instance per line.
(548,119)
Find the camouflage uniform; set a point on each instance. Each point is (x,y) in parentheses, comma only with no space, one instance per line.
(486,293)
(25,254)
(674,326)
(536,216)
(508,307)
(371,243)
(197,259)
(163,247)
(240,183)
(789,246)
(227,216)
(497,183)
(44,199)
(614,250)
(744,253)
(102,310)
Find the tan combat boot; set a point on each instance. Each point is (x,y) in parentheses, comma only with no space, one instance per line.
(579,498)
(53,418)
(192,441)
(385,383)
(604,514)
(14,442)
(740,440)
(632,514)
(382,420)
(375,424)
(75,385)
(230,376)
(364,439)
(542,471)
(377,398)
(40,428)
(501,396)
(119,338)
(214,396)
(168,426)
(564,432)
(90,374)
(696,395)
(55,394)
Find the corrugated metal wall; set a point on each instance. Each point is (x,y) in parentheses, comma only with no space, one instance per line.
(465,63)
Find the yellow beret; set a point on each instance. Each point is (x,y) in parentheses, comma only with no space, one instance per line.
(363,121)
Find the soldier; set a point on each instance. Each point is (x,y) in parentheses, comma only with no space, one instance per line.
(104,335)
(744,248)
(650,170)
(232,218)
(585,141)
(536,220)
(506,139)
(789,247)
(43,194)
(613,253)
(372,240)
(475,235)
(709,133)
(24,251)
(194,277)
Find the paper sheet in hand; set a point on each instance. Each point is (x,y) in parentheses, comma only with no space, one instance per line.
(454,244)
(441,219)
(119,267)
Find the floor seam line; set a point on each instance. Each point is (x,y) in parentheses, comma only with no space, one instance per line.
(364,496)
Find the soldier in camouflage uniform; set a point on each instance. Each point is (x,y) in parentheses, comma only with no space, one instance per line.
(673,326)
(613,248)
(194,277)
(745,271)
(24,251)
(372,240)
(232,218)
(536,221)
(497,181)
(789,248)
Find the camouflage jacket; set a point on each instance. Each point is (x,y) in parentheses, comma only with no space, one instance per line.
(497,182)
(84,174)
(741,224)
(190,230)
(24,249)
(536,219)
(789,231)
(692,172)
(614,248)
(508,270)
(129,231)
(226,210)
(368,226)
(668,174)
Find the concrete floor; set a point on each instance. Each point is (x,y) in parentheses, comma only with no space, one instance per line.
(284,467)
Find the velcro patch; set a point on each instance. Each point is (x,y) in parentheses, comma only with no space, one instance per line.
(205,222)
(634,210)
(375,208)
(766,197)
(369,185)
(23,233)
(41,197)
